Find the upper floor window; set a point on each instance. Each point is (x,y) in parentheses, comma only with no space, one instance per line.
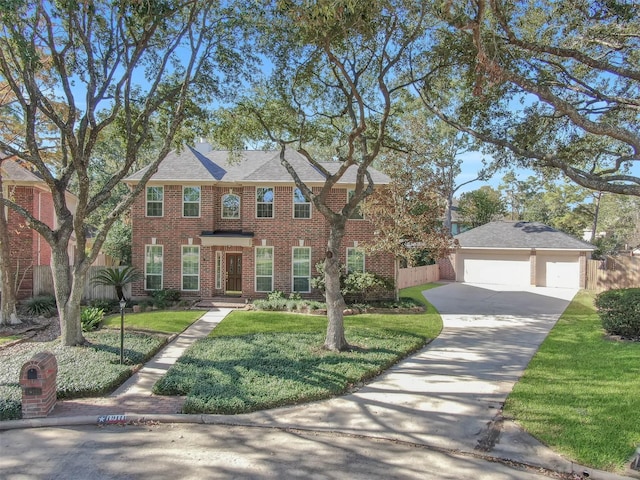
(264,202)
(356,214)
(155,200)
(301,205)
(231,206)
(191,201)
(355,260)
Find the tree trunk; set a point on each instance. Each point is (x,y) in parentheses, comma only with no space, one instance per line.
(9,299)
(68,295)
(447,214)
(335,339)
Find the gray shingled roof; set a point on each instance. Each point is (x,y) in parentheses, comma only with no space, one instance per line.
(12,171)
(248,166)
(519,235)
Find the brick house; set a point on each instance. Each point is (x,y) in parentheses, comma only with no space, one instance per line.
(210,226)
(28,248)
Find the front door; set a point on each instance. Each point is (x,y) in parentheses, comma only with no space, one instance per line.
(234,273)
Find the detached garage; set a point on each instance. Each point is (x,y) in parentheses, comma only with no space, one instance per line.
(519,254)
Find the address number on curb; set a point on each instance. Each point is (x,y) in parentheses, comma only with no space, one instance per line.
(112,419)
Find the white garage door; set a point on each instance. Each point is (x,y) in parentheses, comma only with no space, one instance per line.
(558,271)
(497,269)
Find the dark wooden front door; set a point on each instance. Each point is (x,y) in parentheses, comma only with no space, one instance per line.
(234,272)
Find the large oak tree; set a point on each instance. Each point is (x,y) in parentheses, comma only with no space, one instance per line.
(104,63)
(337,69)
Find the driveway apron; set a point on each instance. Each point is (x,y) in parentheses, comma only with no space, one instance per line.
(449,395)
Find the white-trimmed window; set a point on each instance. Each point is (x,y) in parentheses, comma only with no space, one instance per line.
(301,205)
(355,260)
(264,269)
(191,267)
(356,214)
(153,262)
(190,201)
(264,202)
(301,265)
(155,201)
(218,270)
(231,206)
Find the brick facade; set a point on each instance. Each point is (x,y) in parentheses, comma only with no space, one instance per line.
(28,248)
(283,232)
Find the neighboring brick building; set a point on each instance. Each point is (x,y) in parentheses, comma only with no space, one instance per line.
(209,225)
(28,248)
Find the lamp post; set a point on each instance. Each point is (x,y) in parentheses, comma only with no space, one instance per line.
(123,303)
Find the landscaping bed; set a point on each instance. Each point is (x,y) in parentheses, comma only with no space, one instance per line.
(259,359)
(90,370)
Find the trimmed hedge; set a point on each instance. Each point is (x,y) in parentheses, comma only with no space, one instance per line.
(619,311)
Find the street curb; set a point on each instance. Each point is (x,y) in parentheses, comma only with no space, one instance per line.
(574,469)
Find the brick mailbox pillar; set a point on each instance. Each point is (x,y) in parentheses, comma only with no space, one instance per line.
(38,382)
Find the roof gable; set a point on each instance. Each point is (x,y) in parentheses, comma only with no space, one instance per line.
(248,166)
(14,172)
(519,235)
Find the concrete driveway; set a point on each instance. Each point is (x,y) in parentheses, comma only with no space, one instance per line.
(449,395)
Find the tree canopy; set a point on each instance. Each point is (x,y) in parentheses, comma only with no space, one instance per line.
(336,73)
(548,84)
(80,72)
(481,206)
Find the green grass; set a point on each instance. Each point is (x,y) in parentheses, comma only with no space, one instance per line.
(580,394)
(257,360)
(84,371)
(165,321)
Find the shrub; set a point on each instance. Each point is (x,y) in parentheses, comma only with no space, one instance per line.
(90,318)
(619,311)
(275,295)
(42,305)
(362,287)
(163,298)
(275,304)
(118,278)
(108,305)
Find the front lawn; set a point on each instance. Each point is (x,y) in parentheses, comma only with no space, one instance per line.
(581,392)
(257,360)
(166,321)
(8,339)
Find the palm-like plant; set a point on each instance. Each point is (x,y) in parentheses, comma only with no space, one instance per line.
(118,278)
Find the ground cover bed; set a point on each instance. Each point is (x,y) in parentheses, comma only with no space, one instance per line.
(84,371)
(580,394)
(256,360)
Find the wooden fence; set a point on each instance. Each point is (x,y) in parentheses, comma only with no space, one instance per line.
(410,277)
(43,284)
(613,272)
